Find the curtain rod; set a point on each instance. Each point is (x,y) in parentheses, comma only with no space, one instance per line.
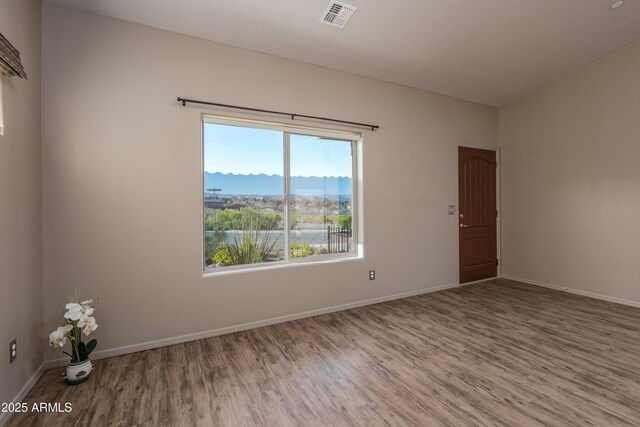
(292,115)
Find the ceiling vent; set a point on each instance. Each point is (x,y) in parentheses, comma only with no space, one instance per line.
(338,14)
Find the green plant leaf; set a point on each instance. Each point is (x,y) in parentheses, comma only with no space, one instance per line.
(91,345)
(82,352)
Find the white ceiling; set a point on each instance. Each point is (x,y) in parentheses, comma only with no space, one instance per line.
(487,51)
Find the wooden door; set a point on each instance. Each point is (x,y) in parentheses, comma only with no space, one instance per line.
(477,215)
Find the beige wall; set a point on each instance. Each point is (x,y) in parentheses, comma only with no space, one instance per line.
(571,181)
(122,179)
(20,201)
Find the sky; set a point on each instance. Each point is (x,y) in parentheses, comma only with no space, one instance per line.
(240,150)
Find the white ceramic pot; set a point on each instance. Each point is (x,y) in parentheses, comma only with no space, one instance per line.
(78,372)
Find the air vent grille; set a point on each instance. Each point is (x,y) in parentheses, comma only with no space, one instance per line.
(338,14)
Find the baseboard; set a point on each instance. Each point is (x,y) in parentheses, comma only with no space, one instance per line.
(103,354)
(4,416)
(574,291)
(478,281)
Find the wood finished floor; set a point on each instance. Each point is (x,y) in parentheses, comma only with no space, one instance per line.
(495,353)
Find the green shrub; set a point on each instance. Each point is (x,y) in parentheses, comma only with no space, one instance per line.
(250,247)
(222,257)
(234,219)
(344,221)
(303,250)
(212,243)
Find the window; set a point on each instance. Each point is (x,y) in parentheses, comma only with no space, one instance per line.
(276,194)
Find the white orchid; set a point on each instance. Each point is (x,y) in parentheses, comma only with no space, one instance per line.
(79,322)
(58,338)
(74,312)
(88,324)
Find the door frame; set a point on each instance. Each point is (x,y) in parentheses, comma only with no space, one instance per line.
(498,208)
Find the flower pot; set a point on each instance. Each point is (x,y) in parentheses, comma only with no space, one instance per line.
(78,372)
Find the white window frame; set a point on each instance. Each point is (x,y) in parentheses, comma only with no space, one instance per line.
(287,130)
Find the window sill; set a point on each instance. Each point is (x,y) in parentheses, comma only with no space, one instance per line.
(248,268)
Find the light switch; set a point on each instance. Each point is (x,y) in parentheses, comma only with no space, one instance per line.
(452,209)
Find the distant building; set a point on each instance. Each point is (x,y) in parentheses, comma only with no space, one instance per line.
(235,206)
(213,202)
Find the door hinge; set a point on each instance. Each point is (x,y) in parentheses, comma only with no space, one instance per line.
(496,213)
(497,262)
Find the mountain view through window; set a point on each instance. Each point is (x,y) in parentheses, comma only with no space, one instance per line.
(253,215)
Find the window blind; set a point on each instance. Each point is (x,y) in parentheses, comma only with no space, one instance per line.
(10,64)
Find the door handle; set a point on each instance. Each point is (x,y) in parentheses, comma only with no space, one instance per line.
(463,226)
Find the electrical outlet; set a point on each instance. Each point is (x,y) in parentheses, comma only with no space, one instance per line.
(372,275)
(13,350)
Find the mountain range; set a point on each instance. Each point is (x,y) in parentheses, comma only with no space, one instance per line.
(272,185)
